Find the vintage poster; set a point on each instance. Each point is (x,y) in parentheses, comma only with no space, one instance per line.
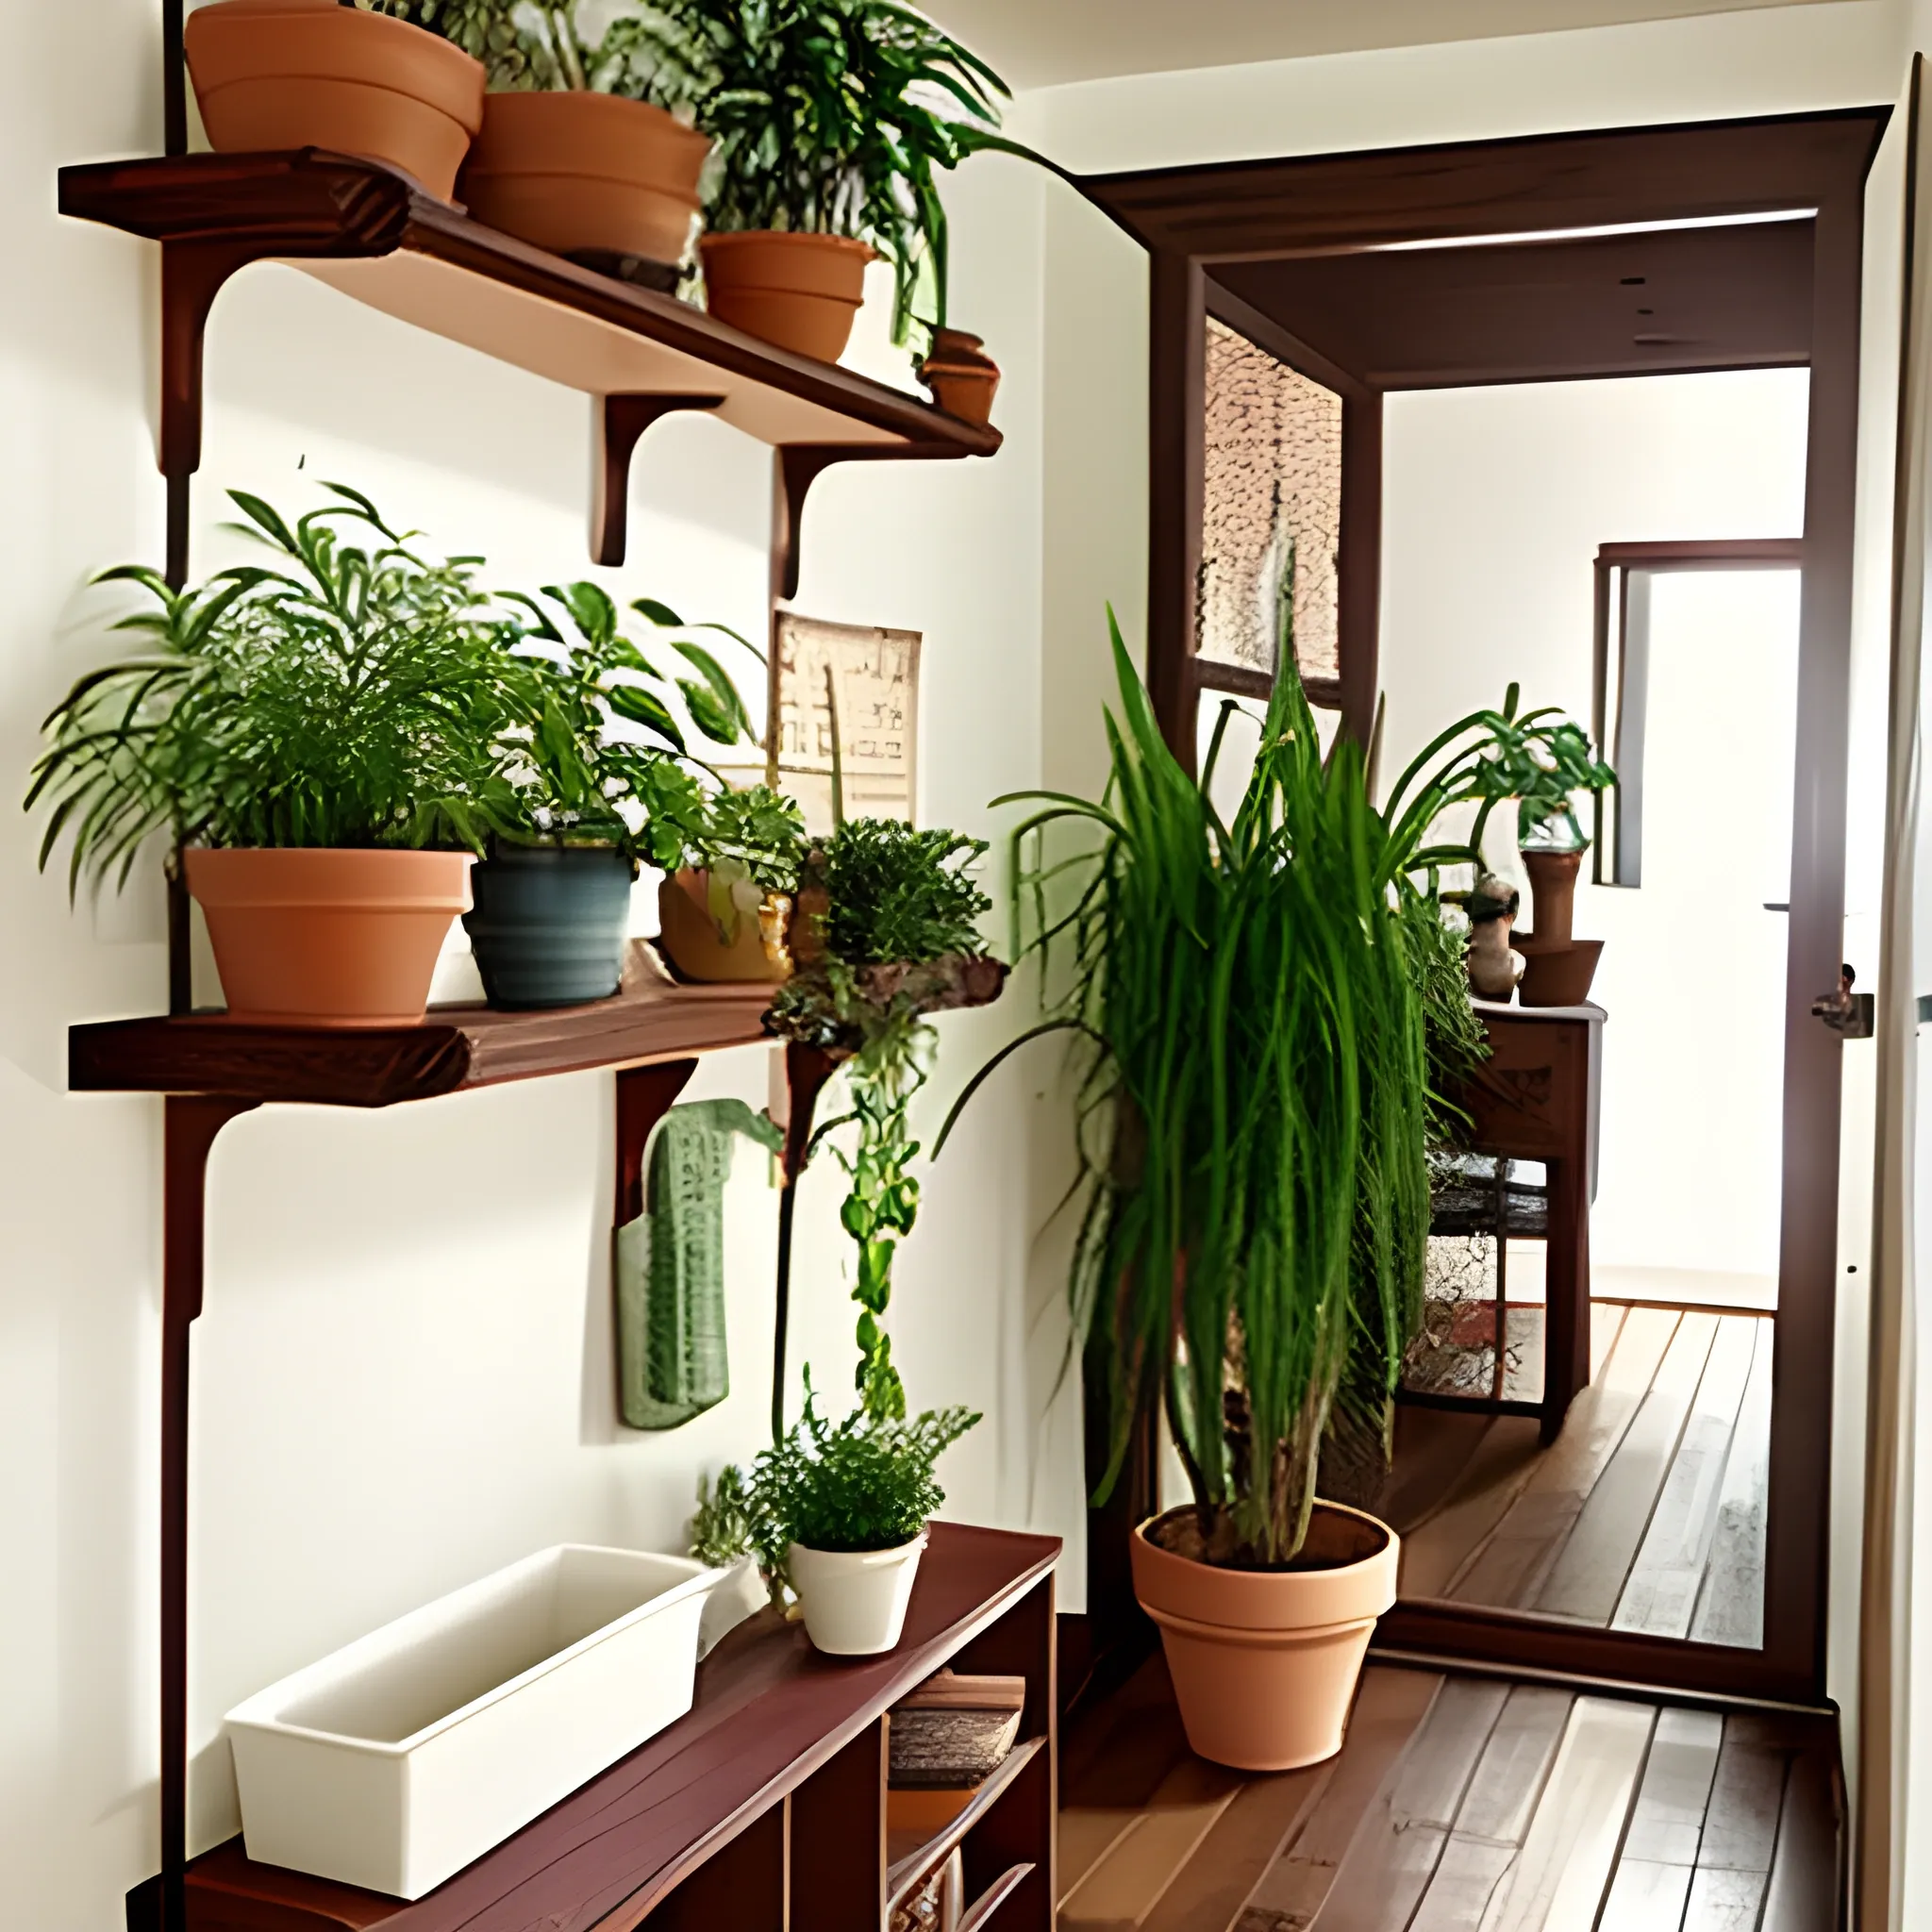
(845,715)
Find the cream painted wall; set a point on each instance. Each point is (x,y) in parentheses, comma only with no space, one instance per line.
(402,1376)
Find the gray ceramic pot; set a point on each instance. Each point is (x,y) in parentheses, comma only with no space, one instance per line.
(548,924)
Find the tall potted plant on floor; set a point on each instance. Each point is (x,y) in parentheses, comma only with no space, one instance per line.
(318,739)
(601,779)
(1250,998)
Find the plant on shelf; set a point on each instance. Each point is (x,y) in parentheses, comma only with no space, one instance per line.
(832,121)
(732,859)
(586,146)
(601,777)
(318,738)
(885,931)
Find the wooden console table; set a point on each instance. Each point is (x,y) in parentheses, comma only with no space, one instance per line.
(1536,1098)
(763,1809)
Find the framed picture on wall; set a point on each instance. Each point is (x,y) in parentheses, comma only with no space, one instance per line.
(845,718)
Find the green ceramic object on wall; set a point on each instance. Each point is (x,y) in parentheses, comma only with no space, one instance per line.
(670,1266)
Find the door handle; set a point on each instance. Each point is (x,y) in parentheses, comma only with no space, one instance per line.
(1849,1015)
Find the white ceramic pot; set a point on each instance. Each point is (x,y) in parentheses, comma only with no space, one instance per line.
(855,1600)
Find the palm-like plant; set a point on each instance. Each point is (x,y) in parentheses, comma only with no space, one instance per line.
(351,693)
(836,117)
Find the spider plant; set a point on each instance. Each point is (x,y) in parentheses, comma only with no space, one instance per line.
(603,759)
(836,117)
(1251,998)
(348,694)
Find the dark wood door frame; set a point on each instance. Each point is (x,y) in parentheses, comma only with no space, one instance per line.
(1192,219)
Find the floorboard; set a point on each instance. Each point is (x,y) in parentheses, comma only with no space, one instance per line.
(1730,1600)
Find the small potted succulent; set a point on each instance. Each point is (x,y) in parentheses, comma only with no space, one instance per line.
(286,73)
(732,859)
(586,146)
(317,739)
(831,119)
(851,1501)
(598,771)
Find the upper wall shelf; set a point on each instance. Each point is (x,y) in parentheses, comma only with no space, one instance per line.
(454,1050)
(369,231)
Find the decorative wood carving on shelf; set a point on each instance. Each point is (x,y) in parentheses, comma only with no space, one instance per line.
(371,232)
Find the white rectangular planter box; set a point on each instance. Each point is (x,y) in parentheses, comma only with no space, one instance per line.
(409,1754)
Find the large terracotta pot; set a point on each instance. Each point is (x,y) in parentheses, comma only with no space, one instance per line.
(286,73)
(1265,1661)
(575,173)
(1557,975)
(1553,894)
(697,946)
(801,291)
(328,937)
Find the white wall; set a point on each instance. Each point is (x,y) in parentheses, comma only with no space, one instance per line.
(402,1376)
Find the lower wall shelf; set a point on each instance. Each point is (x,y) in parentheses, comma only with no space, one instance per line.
(763,1808)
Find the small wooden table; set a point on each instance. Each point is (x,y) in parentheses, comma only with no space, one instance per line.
(1536,1098)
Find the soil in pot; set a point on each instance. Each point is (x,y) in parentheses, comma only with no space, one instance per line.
(328,937)
(587,175)
(549,923)
(698,948)
(288,73)
(801,291)
(1265,1661)
(855,1601)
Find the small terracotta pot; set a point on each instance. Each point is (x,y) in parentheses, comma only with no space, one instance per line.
(286,73)
(1265,1661)
(801,291)
(690,938)
(1556,975)
(963,379)
(1553,893)
(578,172)
(328,937)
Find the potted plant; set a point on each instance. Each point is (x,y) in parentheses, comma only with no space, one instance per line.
(732,859)
(286,73)
(317,739)
(831,119)
(586,145)
(1540,759)
(599,780)
(1250,994)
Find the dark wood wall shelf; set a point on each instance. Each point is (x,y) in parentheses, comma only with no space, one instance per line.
(371,232)
(763,1808)
(652,1019)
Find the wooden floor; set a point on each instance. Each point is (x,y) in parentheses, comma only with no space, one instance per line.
(1458,1804)
(1647,1513)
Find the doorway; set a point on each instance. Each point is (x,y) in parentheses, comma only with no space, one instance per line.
(1577,259)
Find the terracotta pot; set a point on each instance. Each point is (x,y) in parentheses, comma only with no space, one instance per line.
(801,291)
(690,938)
(286,73)
(1556,975)
(1265,1661)
(328,937)
(1553,893)
(961,377)
(576,172)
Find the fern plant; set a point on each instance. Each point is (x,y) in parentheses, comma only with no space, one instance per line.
(351,693)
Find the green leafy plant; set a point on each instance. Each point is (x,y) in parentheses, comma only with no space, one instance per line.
(755,834)
(1254,1109)
(836,117)
(733,1520)
(550,45)
(862,1483)
(579,776)
(349,694)
(900,896)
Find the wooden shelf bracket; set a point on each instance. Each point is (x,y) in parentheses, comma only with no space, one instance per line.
(621,422)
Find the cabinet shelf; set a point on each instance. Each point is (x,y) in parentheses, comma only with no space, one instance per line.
(906,1874)
(655,1837)
(454,1049)
(373,234)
